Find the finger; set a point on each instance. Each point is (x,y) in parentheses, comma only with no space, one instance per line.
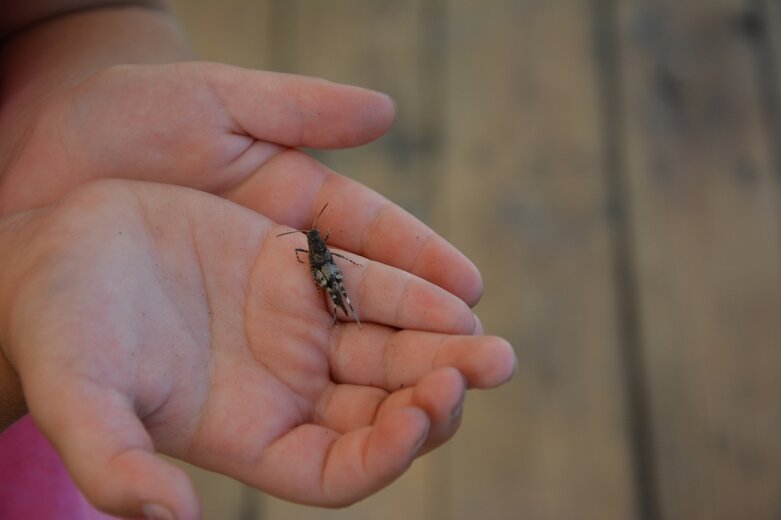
(389,359)
(382,294)
(440,394)
(295,110)
(292,188)
(318,466)
(345,407)
(394,297)
(107,450)
(203,125)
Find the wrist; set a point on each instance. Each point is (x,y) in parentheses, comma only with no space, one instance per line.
(61,51)
(56,54)
(12,403)
(12,229)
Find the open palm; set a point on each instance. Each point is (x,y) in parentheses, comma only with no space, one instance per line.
(232,132)
(168,319)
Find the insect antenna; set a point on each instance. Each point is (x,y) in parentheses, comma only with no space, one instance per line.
(304,231)
(291,232)
(314,224)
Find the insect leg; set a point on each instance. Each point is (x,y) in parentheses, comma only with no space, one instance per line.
(341,301)
(334,321)
(345,258)
(357,319)
(299,250)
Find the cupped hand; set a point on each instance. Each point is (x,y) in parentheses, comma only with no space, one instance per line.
(143,317)
(228,131)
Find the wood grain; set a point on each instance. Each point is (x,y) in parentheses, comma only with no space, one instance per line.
(704,206)
(528,201)
(236,32)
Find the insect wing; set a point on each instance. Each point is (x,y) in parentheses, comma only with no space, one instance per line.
(321,275)
(335,286)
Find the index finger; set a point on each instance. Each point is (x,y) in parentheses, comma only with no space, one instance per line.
(292,188)
(294,110)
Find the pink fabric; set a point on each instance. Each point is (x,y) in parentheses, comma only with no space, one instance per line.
(34,484)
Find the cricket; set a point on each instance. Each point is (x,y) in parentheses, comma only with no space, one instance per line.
(326,273)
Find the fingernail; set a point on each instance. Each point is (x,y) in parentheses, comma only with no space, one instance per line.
(156,512)
(393,102)
(479,330)
(457,410)
(421,442)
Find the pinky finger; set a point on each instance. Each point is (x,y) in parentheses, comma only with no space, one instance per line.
(317,466)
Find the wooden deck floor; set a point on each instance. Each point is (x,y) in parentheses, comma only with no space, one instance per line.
(614,169)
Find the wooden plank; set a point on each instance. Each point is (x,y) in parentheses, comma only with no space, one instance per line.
(233,31)
(704,207)
(764,25)
(394,47)
(220,496)
(386,46)
(529,202)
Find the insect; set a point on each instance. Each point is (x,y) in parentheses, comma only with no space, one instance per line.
(326,273)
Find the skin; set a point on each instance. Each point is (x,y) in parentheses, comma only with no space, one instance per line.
(140,316)
(146,317)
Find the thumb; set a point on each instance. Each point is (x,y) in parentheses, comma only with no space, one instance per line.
(108,451)
(298,111)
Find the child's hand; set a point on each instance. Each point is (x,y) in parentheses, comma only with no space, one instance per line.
(147,317)
(228,131)
(203,125)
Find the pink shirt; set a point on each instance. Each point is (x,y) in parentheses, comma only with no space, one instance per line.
(34,484)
